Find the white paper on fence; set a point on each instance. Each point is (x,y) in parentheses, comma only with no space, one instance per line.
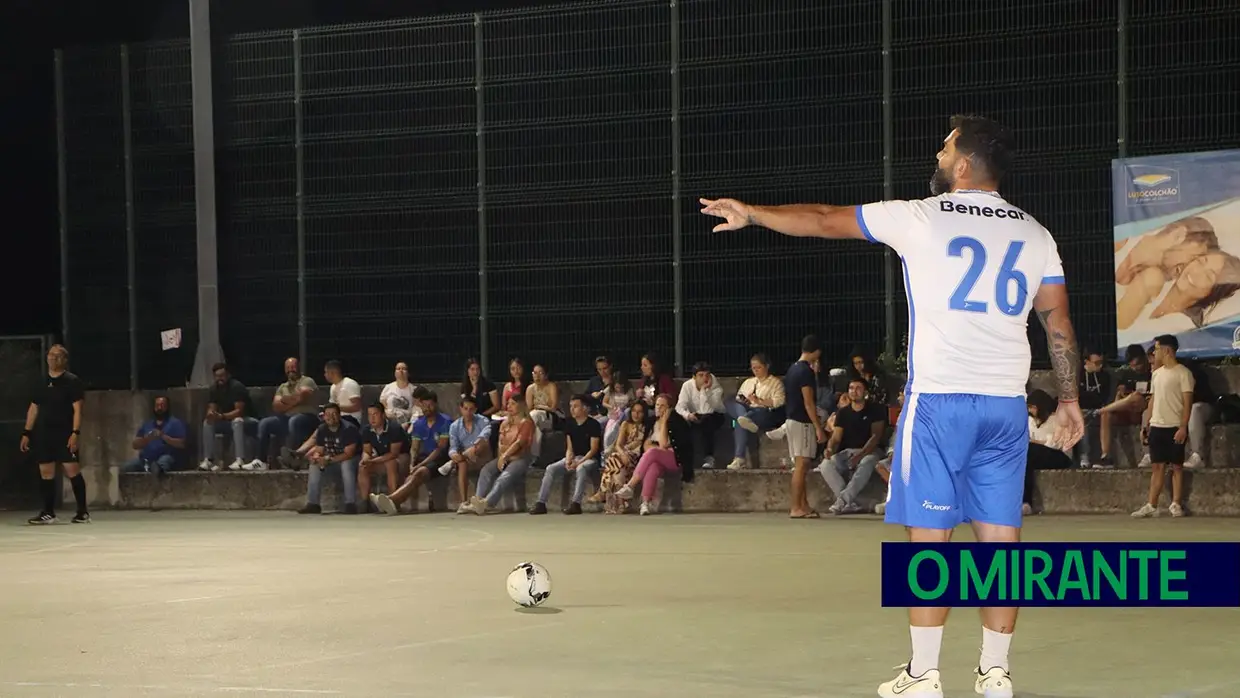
(170,339)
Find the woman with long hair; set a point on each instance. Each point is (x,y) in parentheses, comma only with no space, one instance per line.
(476,385)
(543,398)
(659,458)
(656,380)
(513,460)
(622,457)
(865,368)
(516,380)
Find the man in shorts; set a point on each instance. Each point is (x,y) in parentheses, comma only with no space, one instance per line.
(803,427)
(53,425)
(1167,416)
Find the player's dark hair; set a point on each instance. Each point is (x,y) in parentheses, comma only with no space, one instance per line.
(333,364)
(469,399)
(427,394)
(1091,352)
(1168,340)
(701,367)
(857,379)
(810,344)
(579,398)
(1133,353)
(987,143)
(331,406)
(761,358)
(376,405)
(220,366)
(421,392)
(602,359)
(1042,403)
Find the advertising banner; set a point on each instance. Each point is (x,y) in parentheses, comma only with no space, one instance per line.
(1177,251)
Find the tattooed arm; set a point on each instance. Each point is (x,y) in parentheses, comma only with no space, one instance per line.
(1051,305)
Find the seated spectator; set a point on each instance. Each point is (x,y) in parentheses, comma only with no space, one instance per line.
(759,407)
(701,405)
(345,393)
(397,398)
(334,444)
(431,444)
(385,447)
(1133,387)
(864,367)
(160,442)
(507,471)
(543,398)
(617,399)
(581,457)
(469,447)
(883,469)
(658,459)
(295,419)
(656,381)
(476,385)
(621,459)
(1093,390)
(516,384)
(852,452)
(229,410)
(1043,454)
(598,385)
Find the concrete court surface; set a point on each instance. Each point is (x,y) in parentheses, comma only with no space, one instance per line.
(755,606)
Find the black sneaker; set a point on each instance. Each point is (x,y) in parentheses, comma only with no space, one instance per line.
(538,508)
(310,509)
(1104,463)
(573,509)
(350,509)
(42,519)
(82,517)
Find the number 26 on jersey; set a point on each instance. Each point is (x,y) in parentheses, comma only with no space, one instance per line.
(1009,281)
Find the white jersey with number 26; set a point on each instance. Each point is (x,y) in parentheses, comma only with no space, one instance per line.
(972,265)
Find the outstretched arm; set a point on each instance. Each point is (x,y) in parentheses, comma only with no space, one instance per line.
(1051,304)
(797,220)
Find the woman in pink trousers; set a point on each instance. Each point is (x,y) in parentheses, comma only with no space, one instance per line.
(659,458)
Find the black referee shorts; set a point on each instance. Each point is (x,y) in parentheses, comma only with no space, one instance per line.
(1163,448)
(52,447)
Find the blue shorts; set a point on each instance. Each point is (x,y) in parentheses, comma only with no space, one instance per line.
(959,458)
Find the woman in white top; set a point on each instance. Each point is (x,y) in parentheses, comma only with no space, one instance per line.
(397,398)
(759,408)
(1043,453)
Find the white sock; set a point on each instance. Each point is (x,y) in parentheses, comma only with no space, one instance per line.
(926,644)
(994,650)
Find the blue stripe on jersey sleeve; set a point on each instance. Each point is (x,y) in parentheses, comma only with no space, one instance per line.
(865,230)
(1053,281)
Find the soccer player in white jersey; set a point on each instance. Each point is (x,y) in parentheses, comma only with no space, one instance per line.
(974,265)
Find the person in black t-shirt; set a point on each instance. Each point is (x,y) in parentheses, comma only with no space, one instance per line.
(385,446)
(803,427)
(229,409)
(336,442)
(853,451)
(53,425)
(582,457)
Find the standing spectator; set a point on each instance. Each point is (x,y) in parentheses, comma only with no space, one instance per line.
(1200,417)
(335,444)
(659,458)
(599,382)
(852,451)
(344,393)
(803,427)
(508,470)
(397,397)
(53,424)
(160,442)
(295,419)
(1094,389)
(431,443)
(622,457)
(701,405)
(1166,417)
(543,398)
(759,407)
(385,446)
(469,446)
(581,457)
(229,409)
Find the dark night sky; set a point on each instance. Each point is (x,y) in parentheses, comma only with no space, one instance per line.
(30,32)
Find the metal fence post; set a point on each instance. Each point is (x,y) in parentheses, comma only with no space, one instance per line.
(1121,78)
(131,252)
(678,318)
(62,194)
(299,154)
(479,104)
(889,282)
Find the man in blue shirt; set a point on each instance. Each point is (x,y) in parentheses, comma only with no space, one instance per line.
(431,440)
(385,446)
(469,446)
(160,442)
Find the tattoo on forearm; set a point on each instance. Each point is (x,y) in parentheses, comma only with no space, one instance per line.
(1064,352)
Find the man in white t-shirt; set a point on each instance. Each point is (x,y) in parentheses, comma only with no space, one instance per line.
(344,392)
(1166,424)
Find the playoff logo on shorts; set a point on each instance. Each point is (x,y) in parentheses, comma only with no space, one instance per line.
(927,504)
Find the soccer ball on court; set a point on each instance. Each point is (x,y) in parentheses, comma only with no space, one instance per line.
(529,584)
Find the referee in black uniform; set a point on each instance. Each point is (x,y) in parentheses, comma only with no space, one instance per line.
(53,423)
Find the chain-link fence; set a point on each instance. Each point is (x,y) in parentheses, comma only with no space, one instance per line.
(526,182)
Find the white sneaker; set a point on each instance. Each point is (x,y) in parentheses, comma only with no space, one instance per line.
(1146,511)
(205,464)
(447,468)
(837,507)
(747,424)
(880,508)
(255,465)
(464,508)
(902,686)
(649,508)
(216,467)
(1026,510)
(236,465)
(738,464)
(384,503)
(1194,461)
(995,683)
(478,505)
(708,463)
(1176,510)
(1145,462)
(778,433)
(625,493)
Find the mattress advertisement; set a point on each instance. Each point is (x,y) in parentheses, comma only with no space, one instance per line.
(1177,251)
